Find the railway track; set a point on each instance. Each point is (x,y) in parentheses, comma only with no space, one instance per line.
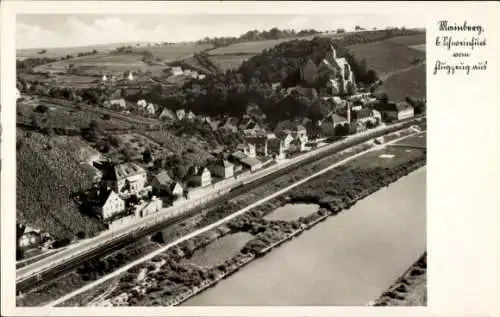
(39,279)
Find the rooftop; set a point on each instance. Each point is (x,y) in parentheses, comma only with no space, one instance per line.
(163,178)
(122,171)
(250,161)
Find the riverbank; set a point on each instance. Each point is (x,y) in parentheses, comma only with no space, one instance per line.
(190,293)
(175,283)
(410,289)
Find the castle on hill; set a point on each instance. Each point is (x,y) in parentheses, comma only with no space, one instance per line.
(332,71)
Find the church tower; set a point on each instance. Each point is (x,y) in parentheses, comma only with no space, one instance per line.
(334,53)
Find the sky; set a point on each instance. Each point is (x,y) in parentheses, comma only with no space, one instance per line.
(67,30)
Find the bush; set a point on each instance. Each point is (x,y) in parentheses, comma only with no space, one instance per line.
(158,237)
(41,109)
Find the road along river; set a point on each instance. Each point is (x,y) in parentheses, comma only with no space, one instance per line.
(349,259)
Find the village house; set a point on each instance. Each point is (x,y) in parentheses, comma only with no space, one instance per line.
(248,149)
(141,104)
(150,109)
(286,138)
(108,203)
(201,76)
(180,114)
(126,177)
(289,127)
(260,143)
(251,163)
(130,76)
(119,103)
(190,116)
(329,124)
(223,169)
(29,238)
(395,111)
(176,71)
(230,124)
(277,149)
(104,78)
(300,143)
(145,208)
(201,177)
(167,114)
(194,74)
(162,184)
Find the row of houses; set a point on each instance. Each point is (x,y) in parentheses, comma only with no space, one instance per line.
(178,71)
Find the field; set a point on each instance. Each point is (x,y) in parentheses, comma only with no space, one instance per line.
(232,56)
(121,62)
(58,117)
(193,150)
(49,172)
(227,61)
(135,145)
(97,64)
(410,83)
(408,40)
(387,57)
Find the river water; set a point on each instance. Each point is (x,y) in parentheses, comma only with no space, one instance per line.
(349,259)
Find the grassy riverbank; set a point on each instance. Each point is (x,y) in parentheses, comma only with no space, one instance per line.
(410,289)
(171,278)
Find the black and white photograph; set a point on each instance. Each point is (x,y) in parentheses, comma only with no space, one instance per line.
(222,160)
(263,160)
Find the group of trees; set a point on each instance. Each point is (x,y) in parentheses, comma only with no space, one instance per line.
(255,35)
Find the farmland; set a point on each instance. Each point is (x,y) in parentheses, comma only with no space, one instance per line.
(229,61)
(388,56)
(410,83)
(124,61)
(232,56)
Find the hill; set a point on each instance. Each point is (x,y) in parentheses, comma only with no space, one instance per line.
(126,58)
(409,83)
(391,55)
(49,172)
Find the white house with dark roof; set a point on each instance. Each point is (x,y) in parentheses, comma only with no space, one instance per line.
(251,163)
(141,104)
(120,103)
(167,114)
(126,177)
(395,111)
(176,71)
(109,203)
(163,183)
(150,109)
(223,168)
(181,113)
(201,177)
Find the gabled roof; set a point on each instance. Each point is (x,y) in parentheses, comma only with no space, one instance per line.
(122,171)
(250,161)
(239,155)
(362,113)
(391,106)
(103,197)
(163,178)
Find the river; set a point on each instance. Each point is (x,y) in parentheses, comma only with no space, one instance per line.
(349,259)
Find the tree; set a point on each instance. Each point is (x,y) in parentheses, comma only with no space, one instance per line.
(147,156)
(318,110)
(158,237)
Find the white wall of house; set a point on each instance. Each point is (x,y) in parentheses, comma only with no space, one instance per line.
(113,205)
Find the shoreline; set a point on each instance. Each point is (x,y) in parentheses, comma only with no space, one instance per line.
(286,232)
(197,290)
(411,287)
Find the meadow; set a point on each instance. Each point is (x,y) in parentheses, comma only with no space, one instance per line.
(409,83)
(387,57)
